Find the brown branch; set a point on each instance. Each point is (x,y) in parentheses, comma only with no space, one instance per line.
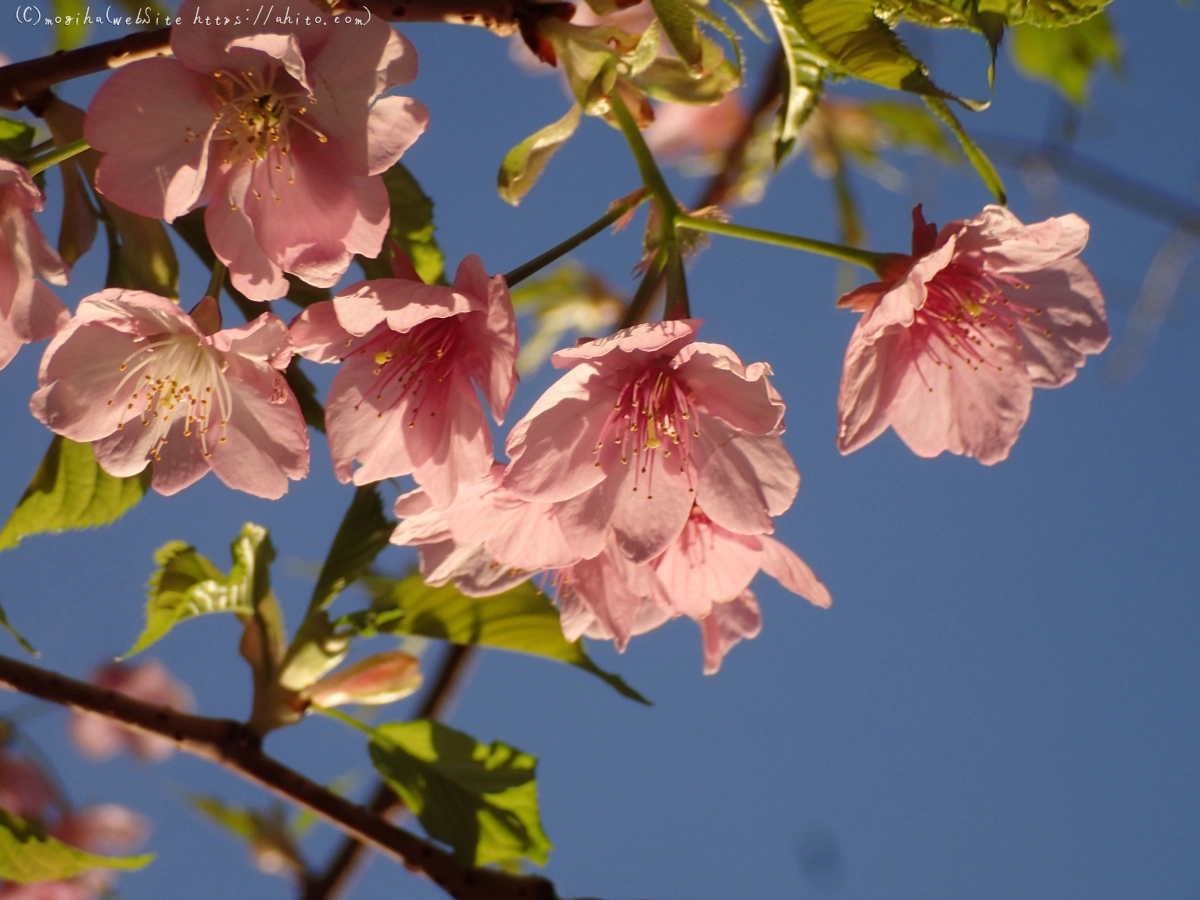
(232,745)
(384,802)
(23,81)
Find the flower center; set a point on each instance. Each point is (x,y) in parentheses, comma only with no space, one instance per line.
(651,421)
(413,367)
(969,314)
(257,120)
(173,377)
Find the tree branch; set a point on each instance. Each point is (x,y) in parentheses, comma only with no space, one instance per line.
(23,81)
(384,802)
(232,745)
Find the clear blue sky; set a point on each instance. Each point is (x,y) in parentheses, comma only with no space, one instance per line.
(1001,702)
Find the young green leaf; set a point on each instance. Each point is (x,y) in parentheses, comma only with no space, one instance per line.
(976,156)
(186,584)
(28,854)
(521,619)
(481,800)
(69,491)
(364,532)
(523,164)
(682,30)
(411,228)
(1066,57)
(802,87)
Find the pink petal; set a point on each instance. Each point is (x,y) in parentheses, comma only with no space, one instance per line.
(161,174)
(402,304)
(727,626)
(725,387)
(317,334)
(866,392)
(1072,325)
(745,480)
(552,448)
(631,347)
(180,463)
(231,234)
(793,573)
(707,565)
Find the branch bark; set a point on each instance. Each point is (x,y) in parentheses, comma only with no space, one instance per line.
(233,746)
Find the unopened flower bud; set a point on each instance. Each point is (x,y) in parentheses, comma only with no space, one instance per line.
(382,678)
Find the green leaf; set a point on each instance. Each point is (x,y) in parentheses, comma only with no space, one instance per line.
(16,634)
(976,156)
(186,584)
(521,619)
(69,491)
(669,80)
(16,137)
(1066,57)
(805,79)
(28,854)
(966,13)
(682,30)
(911,127)
(144,257)
(523,164)
(708,17)
(481,800)
(364,532)
(411,228)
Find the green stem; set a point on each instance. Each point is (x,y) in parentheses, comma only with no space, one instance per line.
(217,281)
(54,157)
(652,177)
(645,291)
(868,259)
(345,719)
(520,273)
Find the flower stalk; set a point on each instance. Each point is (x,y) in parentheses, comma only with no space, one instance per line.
(868,259)
(56,156)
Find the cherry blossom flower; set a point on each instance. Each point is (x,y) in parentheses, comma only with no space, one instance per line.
(101,738)
(24,789)
(647,423)
(953,341)
(280,130)
(404,401)
(141,379)
(29,311)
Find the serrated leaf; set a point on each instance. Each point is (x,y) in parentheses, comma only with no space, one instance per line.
(70,491)
(523,164)
(28,854)
(411,228)
(521,619)
(708,17)
(965,13)
(803,85)
(16,137)
(974,155)
(186,584)
(911,127)
(669,80)
(1066,57)
(481,800)
(682,30)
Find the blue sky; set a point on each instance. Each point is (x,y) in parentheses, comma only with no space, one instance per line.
(1001,701)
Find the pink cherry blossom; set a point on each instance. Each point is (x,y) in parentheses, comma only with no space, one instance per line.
(953,341)
(280,129)
(727,626)
(137,376)
(404,401)
(647,423)
(101,738)
(29,311)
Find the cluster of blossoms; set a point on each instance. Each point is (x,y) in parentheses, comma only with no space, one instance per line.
(644,483)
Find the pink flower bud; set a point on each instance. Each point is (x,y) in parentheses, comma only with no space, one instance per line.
(376,680)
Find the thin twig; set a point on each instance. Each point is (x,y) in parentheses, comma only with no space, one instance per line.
(233,746)
(384,802)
